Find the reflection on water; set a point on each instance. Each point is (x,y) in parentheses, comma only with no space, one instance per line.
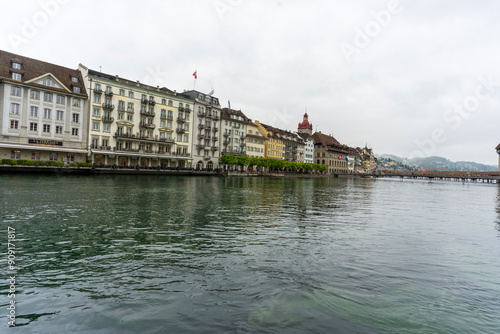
(128,254)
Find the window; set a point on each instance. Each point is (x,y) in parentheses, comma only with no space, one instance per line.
(163,101)
(48,82)
(131,94)
(97,111)
(59,129)
(179,137)
(74,79)
(53,156)
(122,92)
(14,124)
(97,99)
(33,126)
(95,126)
(60,99)
(163,113)
(46,113)
(76,89)
(15,91)
(35,156)
(59,115)
(130,118)
(170,103)
(185,138)
(162,123)
(105,127)
(130,106)
(169,124)
(104,142)
(120,115)
(76,102)
(76,118)
(34,112)
(121,105)
(74,131)
(169,114)
(16,76)
(16,66)
(14,108)
(46,128)
(35,95)
(15,154)
(47,97)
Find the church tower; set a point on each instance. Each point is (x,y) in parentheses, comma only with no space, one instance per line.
(305,126)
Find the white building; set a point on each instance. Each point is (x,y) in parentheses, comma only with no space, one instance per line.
(206,126)
(133,124)
(234,128)
(308,147)
(42,111)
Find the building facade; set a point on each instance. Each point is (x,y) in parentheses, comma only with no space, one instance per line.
(133,124)
(273,143)
(206,130)
(234,131)
(256,142)
(331,153)
(42,111)
(308,147)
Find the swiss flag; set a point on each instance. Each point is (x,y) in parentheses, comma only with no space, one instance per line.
(340,157)
(195,75)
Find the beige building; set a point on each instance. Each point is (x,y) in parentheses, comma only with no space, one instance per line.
(331,153)
(255,142)
(133,124)
(42,111)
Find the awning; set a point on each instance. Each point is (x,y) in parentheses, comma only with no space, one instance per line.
(43,148)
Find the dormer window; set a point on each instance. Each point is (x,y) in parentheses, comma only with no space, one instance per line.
(76,89)
(16,65)
(74,79)
(16,76)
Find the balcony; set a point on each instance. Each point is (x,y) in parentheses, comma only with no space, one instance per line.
(200,136)
(148,113)
(201,126)
(200,146)
(147,125)
(214,148)
(144,100)
(101,148)
(130,110)
(107,119)
(208,126)
(226,134)
(181,108)
(121,107)
(187,110)
(107,106)
(225,143)
(108,92)
(166,140)
(216,117)
(206,158)
(181,120)
(125,135)
(97,91)
(152,102)
(201,113)
(215,139)
(170,117)
(242,144)
(215,129)
(179,130)
(208,136)
(163,116)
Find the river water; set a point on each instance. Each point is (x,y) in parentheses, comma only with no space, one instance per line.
(148,254)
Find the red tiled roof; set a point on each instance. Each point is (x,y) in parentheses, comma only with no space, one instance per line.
(33,68)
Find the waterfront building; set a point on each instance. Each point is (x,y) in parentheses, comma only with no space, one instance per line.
(308,147)
(273,144)
(133,124)
(331,153)
(42,111)
(256,141)
(234,131)
(206,129)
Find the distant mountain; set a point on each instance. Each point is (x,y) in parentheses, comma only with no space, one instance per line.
(442,164)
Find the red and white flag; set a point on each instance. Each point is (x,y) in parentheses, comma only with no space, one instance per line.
(195,75)
(340,157)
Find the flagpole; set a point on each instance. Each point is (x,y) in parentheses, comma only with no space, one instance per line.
(194,80)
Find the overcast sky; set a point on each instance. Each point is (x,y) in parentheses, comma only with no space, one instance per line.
(410,78)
